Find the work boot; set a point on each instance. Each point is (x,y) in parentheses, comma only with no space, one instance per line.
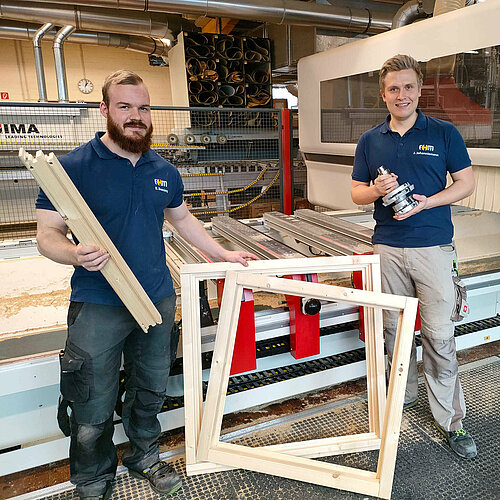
(460,441)
(161,476)
(410,404)
(103,496)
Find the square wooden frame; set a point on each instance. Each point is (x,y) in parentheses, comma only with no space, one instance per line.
(204,452)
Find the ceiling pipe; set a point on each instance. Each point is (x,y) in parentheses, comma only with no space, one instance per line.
(161,26)
(412,11)
(58,47)
(16,30)
(40,72)
(269,11)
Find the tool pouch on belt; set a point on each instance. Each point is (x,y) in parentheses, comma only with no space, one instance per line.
(461,307)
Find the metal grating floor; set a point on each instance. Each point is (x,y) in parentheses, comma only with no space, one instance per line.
(426,469)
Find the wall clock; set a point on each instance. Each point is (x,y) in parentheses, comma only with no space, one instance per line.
(85,86)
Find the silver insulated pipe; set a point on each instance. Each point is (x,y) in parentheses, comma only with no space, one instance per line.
(133,12)
(39,68)
(62,83)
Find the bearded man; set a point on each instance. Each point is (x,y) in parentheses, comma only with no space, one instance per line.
(130,189)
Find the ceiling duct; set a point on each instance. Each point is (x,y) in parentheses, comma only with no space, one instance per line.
(58,47)
(412,11)
(269,11)
(37,50)
(96,19)
(16,30)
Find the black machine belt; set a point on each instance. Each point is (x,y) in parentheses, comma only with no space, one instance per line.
(261,98)
(198,86)
(228,90)
(258,76)
(227,49)
(201,70)
(236,77)
(200,51)
(234,100)
(206,97)
(256,51)
(223,72)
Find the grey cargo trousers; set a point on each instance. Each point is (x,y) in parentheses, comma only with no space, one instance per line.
(426,273)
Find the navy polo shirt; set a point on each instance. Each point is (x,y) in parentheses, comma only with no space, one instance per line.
(422,157)
(128,201)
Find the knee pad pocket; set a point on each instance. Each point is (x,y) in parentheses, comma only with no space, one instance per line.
(76,375)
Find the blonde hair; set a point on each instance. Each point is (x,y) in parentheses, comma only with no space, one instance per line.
(398,63)
(120,77)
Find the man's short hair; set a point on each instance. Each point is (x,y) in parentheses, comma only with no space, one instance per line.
(120,77)
(398,63)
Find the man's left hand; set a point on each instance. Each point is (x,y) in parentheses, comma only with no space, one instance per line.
(239,256)
(422,204)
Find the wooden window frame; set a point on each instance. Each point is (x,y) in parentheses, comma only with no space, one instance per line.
(204,451)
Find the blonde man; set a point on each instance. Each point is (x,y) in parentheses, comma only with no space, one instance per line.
(416,249)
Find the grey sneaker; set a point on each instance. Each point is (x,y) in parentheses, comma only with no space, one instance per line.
(410,404)
(460,441)
(161,476)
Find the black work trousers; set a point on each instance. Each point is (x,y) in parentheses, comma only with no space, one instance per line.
(98,335)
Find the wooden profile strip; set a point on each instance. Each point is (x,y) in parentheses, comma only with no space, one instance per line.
(321,291)
(314,448)
(283,464)
(67,200)
(306,265)
(296,468)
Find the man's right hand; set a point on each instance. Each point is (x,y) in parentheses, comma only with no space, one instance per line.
(91,257)
(384,184)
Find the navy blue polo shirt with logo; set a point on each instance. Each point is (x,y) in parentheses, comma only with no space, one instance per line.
(128,201)
(422,157)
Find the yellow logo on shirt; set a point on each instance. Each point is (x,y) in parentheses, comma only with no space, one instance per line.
(161,185)
(425,147)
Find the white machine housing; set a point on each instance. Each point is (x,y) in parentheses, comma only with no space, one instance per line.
(471,28)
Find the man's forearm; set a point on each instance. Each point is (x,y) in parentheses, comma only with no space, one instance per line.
(192,230)
(57,247)
(453,193)
(364,195)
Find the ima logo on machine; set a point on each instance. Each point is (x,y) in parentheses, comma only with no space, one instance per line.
(160,185)
(18,128)
(426,147)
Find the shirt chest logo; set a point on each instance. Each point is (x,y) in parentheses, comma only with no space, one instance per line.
(426,149)
(160,185)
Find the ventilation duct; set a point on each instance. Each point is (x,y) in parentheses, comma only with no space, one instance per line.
(39,68)
(23,31)
(15,30)
(269,11)
(95,19)
(58,47)
(412,11)
(443,65)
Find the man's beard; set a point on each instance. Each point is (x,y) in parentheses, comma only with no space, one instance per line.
(134,144)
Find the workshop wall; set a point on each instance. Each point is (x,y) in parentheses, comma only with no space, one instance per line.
(18,76)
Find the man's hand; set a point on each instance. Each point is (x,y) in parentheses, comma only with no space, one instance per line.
(384,184)
(90,257)
(239,256)
(422,205)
